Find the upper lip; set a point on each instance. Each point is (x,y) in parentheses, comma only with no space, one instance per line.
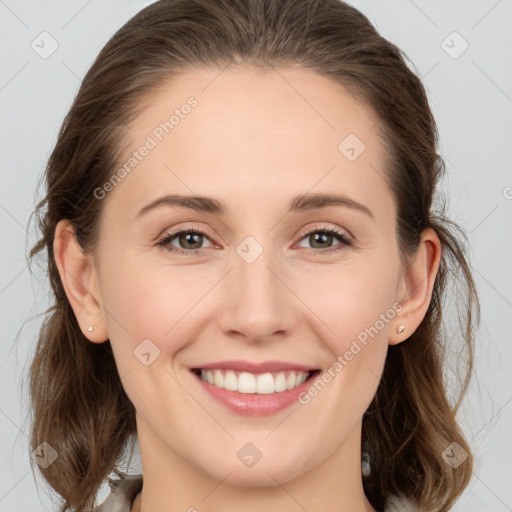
(253,367)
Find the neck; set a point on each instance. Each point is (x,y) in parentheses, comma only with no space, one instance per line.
(172,483)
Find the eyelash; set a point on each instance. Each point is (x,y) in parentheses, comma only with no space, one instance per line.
(341,237)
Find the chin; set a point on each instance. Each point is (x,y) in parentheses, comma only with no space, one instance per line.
(262,474)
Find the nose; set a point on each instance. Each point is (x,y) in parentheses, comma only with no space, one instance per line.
(257,304)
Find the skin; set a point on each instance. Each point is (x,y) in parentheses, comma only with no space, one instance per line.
(255,140)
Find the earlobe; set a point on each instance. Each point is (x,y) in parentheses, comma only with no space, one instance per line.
(418,281)
(79,279)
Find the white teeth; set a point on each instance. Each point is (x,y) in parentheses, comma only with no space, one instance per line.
(219,378)
(280,382)
(262,384)
(265,384)
(230,381)
(290,381)
(246,383)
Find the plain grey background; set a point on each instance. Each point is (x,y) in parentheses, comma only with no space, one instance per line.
(470,91)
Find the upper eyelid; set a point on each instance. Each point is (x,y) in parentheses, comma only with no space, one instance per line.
(327,228)
(178,231)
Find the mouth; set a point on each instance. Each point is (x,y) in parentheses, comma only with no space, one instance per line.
(243,382)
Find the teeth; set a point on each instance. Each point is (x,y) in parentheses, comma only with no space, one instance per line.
(290,381)
(230,381)
(261,384)
(265,384)
(218,378)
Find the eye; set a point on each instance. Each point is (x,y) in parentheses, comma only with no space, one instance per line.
(323,236)
(189,238)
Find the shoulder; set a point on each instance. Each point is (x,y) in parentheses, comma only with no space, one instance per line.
(123,492)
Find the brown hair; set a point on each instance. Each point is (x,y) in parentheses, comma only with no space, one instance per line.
(78,402)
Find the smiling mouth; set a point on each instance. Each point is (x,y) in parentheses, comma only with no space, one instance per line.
(251,383)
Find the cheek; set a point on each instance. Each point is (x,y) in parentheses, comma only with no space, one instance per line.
(353,301)
(144,299)
(358,306)
(146,306)
(359,314)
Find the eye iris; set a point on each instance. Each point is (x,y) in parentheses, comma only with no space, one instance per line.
(184,239)
(323,236)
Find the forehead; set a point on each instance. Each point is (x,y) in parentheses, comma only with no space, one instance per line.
(243,133)
(249,101)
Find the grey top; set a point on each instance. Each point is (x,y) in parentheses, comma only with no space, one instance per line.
(124,491)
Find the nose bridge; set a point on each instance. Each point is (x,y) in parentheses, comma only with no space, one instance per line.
(258,304)
(253,271)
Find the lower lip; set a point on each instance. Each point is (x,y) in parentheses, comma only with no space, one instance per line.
(252,404)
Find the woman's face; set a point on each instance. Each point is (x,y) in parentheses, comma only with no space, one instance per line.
(263,277)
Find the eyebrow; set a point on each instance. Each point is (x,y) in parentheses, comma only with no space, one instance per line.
(297,204)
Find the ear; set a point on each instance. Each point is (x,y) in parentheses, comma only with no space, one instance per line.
(80,281)
(416,285)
